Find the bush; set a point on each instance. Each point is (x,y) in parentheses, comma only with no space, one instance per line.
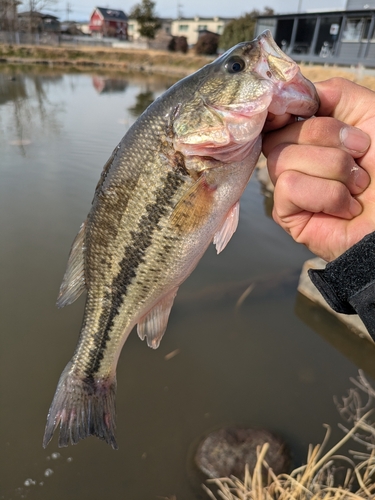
(178,44)
(207,44)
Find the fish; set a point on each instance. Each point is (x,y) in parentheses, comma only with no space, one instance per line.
(169,189)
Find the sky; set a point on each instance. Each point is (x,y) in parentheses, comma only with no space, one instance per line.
(80,10)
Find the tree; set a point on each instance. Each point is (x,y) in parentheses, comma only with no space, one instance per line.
(8,15)
(144,13)
(241,29)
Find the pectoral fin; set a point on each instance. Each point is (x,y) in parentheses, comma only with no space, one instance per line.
(154,324)
(73,283)
(223,236)
(194,207)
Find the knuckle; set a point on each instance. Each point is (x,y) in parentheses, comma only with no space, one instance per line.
(339,160)
(287,181)
(281,158)
(274,155)
(321,130)
(338,194)
(312,128)
(337,81)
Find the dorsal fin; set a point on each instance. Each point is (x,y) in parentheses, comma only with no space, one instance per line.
(154,323)
(105,170)
(73,282)
(225,233)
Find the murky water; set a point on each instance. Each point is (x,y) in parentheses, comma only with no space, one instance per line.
(275,362)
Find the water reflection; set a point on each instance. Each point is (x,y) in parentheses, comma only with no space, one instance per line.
(105,85)
(360,351)
(11,88)
(29,107)
(143,100)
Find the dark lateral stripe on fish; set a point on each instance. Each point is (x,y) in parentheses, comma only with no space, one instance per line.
(134,256)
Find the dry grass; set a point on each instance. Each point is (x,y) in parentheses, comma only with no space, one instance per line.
(122,59)
(151,61)
(319,73)
(313,481)
(317,480)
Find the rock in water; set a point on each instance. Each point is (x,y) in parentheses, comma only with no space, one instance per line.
(226,452)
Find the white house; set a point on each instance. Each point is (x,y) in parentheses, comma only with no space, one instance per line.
(190,26)
(183,26)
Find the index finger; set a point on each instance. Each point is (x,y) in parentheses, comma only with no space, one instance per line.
(345,100)
(320,131)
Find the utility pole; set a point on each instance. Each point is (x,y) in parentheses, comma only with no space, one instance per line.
(179,10)
(68,10)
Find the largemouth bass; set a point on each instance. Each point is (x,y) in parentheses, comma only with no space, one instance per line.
(170,188)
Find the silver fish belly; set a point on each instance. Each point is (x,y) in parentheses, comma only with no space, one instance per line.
(170,188)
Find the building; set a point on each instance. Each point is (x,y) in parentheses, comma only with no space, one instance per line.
(109,23)
(336,37)
(37,22)
(190,27)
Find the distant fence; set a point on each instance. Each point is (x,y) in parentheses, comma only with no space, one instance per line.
(17,37)
(47,38)
(20,38)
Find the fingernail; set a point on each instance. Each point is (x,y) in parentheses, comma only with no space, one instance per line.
(354,139)
(361,177)
(355,208)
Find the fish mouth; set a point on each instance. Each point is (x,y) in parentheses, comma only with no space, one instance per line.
(293,93)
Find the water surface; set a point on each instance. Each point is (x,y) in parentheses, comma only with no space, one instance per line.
(275,362)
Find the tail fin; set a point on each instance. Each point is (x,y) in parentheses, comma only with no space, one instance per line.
(82,408)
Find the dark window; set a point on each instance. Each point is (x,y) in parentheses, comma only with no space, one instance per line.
(304,35)
(328,35)
(284,33)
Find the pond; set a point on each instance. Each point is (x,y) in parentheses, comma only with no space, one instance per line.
(275,361)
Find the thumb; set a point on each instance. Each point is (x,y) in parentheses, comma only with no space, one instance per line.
(345,101)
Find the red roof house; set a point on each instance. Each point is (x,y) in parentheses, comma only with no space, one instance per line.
(109,22)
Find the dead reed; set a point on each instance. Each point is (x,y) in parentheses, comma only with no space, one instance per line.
(317,480)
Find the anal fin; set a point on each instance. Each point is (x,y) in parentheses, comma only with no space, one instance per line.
(225,233)
(73,283)
(154,323)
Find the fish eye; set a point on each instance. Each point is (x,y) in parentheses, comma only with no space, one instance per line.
(235,64)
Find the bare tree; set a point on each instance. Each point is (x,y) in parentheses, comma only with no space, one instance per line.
(8,15)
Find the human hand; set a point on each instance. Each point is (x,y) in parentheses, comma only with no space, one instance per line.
(324,170)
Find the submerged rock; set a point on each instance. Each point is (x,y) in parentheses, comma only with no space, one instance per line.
(225,452)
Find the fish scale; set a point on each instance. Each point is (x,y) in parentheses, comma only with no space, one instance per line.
(170,188)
